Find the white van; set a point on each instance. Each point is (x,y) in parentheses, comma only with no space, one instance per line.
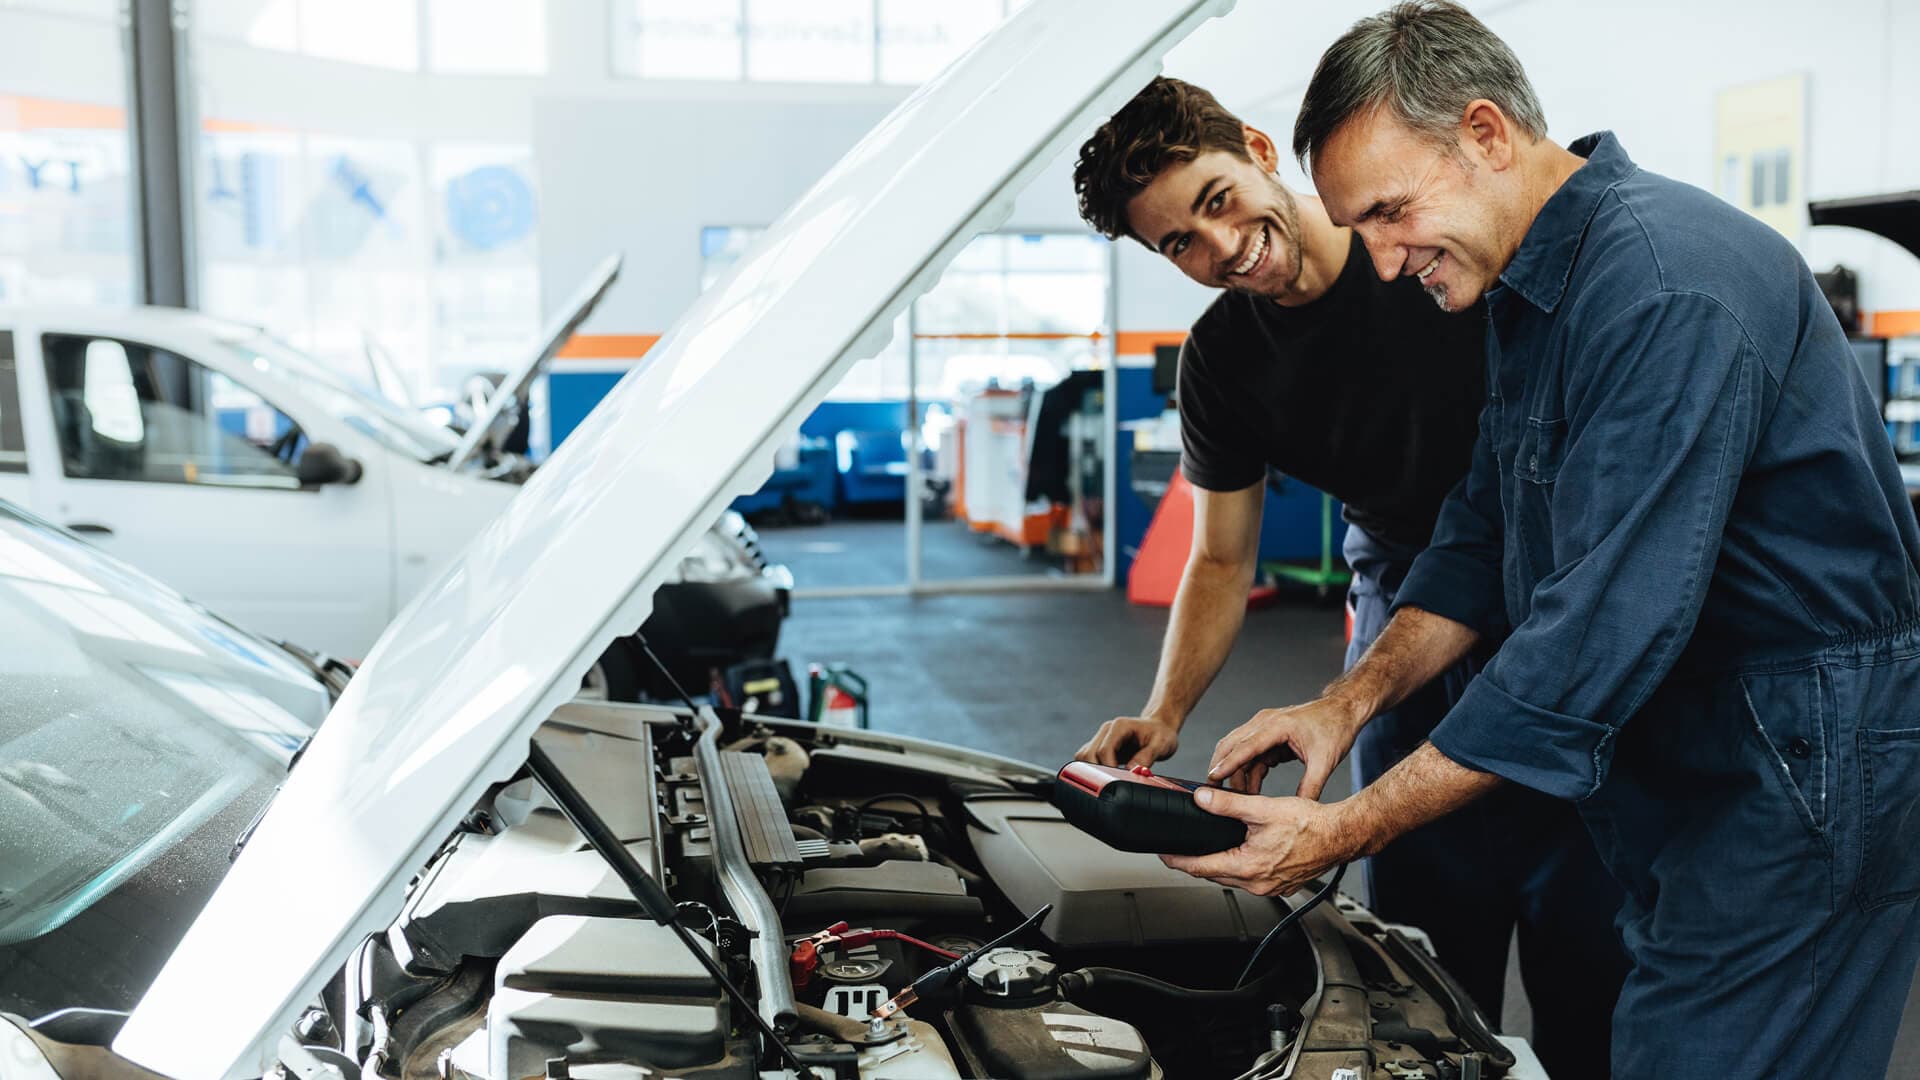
(252,478)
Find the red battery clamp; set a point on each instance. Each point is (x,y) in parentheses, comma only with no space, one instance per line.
(1134,810)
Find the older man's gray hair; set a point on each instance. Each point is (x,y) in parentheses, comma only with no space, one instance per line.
(1424,61)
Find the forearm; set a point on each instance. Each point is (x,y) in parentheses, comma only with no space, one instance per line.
(1208,609)
(1412,651)
(1423,787)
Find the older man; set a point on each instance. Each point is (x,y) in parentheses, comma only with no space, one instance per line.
(1685,517)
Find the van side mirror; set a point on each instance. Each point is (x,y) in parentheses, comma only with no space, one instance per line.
(323,463)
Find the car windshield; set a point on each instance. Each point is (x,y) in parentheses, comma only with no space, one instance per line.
(139,735)
(393,426)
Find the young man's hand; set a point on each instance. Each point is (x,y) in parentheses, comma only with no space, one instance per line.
(1318,733)
(1127,741)
(1289,842)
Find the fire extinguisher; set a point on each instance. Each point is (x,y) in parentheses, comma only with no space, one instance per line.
(836,696)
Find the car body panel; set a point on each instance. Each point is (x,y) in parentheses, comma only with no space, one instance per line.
(449,696)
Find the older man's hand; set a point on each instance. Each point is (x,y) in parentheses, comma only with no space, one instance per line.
(1318,733)
(1290,842)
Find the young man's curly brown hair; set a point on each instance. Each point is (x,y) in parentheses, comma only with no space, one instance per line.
(1167,123)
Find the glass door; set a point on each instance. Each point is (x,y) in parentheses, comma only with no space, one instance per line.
(1013,372)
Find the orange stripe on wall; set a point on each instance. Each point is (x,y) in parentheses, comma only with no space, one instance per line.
(1894,323)
(607,346)
(41,114)
(634,346)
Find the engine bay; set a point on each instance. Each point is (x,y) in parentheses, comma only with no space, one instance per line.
(824,871)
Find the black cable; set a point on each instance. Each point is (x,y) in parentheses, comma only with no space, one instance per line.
(1291,918)
(926,819)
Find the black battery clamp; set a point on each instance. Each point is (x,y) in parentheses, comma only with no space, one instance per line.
(1135,810)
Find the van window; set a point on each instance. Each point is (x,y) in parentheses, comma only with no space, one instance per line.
(127,411)
(13,444)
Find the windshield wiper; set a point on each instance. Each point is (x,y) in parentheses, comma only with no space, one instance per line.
(246,834)
(333,673)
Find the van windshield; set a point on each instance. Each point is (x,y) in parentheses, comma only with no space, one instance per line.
(393,426)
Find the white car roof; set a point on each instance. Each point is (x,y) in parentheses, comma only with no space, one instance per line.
(447,699)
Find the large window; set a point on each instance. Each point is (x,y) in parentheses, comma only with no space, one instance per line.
(66,210)
(425,252)
(127,411)
(498,37)
(839,41)
(1013,308)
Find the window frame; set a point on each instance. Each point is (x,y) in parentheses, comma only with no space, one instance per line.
(624,35)
(421,63)
(297,436)
(13,458)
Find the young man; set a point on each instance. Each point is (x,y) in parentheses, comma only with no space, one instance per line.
(1685,519)
(1309,363)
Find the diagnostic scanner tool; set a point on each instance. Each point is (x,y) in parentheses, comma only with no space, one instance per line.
(1134,810)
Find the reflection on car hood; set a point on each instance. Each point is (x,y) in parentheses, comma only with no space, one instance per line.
(447,699)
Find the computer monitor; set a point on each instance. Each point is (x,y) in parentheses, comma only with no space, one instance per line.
(1166,369)
(1871,353)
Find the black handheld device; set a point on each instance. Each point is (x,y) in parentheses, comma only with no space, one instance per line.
(1134,810)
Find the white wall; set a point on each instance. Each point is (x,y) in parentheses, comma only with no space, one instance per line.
(644,177)
(46,54)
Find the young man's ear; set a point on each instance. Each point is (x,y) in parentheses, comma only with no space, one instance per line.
(1261,148)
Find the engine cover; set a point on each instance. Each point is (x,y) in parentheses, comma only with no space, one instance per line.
(589,988)
(1103,897)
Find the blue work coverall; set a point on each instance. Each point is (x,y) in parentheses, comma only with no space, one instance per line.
(1685,515)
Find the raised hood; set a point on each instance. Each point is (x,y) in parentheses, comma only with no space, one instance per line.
(450,694)
(512,390)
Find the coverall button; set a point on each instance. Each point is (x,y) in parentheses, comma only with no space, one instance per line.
(1799,747)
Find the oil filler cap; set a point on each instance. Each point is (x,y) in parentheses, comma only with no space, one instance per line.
(1013,973)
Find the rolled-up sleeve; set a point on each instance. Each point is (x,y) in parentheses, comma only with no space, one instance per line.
(1458,575)
(1662,407)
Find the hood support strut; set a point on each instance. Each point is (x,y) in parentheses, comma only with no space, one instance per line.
(654,899)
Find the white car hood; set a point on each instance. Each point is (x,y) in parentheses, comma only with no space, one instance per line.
(449,696)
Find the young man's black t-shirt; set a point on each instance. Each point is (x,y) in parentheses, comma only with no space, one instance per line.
(1370,393)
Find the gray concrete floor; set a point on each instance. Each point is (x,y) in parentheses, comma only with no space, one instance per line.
(1031,675)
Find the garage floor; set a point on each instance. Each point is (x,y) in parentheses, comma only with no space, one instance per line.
(1031,676)
(873,551)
